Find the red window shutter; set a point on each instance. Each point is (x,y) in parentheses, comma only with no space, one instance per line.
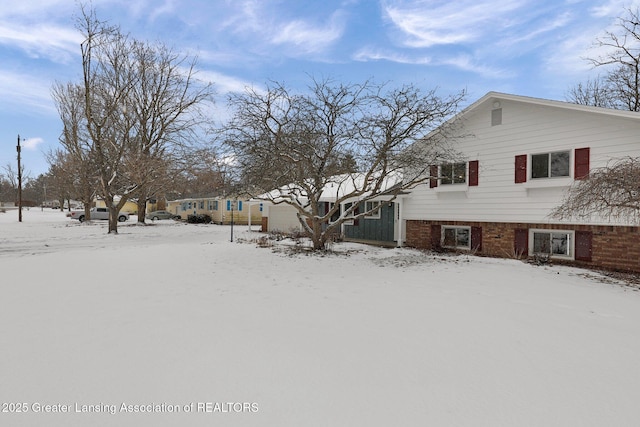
(433,181)
(476,239)
(435,237)
(521,242)
(473,173)
(581,170)
(521,169)
(584,245)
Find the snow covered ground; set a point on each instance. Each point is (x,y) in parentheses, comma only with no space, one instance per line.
(174,325)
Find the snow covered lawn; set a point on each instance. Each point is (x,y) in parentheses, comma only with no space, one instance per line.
(174,325)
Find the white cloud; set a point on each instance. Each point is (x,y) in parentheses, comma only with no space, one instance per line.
(426,23)
(25,90)
(35,8)
(309,37)
(613,8)
(463,62)
(547,26)
(223,84)
(32,144)
(468,63)
(247,16)
(370,54)
(261,24)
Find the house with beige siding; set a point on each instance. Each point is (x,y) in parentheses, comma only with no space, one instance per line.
(130,206)
(519,157)
(221,209)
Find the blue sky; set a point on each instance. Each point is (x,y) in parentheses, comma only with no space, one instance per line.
(524,47)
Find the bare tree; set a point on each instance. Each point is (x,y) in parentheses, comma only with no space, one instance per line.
(139,102)
(594,92)
(619,87)
(11,175)
(359,141)
(6,191)
(71,177)
(204,172)
(74,167)
(165,104)
(611,192)
(108,79)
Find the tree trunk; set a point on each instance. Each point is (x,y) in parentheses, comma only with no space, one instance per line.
(113,221)
(318,237)
(142,209)
(113,215)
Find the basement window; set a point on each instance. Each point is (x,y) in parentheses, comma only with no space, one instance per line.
(456,237)
(554,243)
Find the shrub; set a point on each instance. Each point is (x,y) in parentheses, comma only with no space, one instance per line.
(199,219)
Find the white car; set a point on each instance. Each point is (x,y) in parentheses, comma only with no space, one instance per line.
(97,213)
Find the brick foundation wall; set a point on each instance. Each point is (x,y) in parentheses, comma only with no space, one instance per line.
(613,247)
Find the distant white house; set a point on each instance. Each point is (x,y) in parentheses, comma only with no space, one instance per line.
(520,156)
(380,227)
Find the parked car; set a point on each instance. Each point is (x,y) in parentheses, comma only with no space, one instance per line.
(97,213)
(156,215)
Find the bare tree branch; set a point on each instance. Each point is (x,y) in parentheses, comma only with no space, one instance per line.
(611,193)
(359,141)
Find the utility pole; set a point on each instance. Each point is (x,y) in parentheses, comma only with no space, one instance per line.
(19,183)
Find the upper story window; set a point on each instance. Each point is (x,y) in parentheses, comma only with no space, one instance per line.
(550,165)
(453,173)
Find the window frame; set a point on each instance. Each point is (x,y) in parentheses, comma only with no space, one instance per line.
(375,214)
(336,215)
(571,239)
(549,164)
(443,180)
(456,228)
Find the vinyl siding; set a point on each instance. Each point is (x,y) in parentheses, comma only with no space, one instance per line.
(526,128)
